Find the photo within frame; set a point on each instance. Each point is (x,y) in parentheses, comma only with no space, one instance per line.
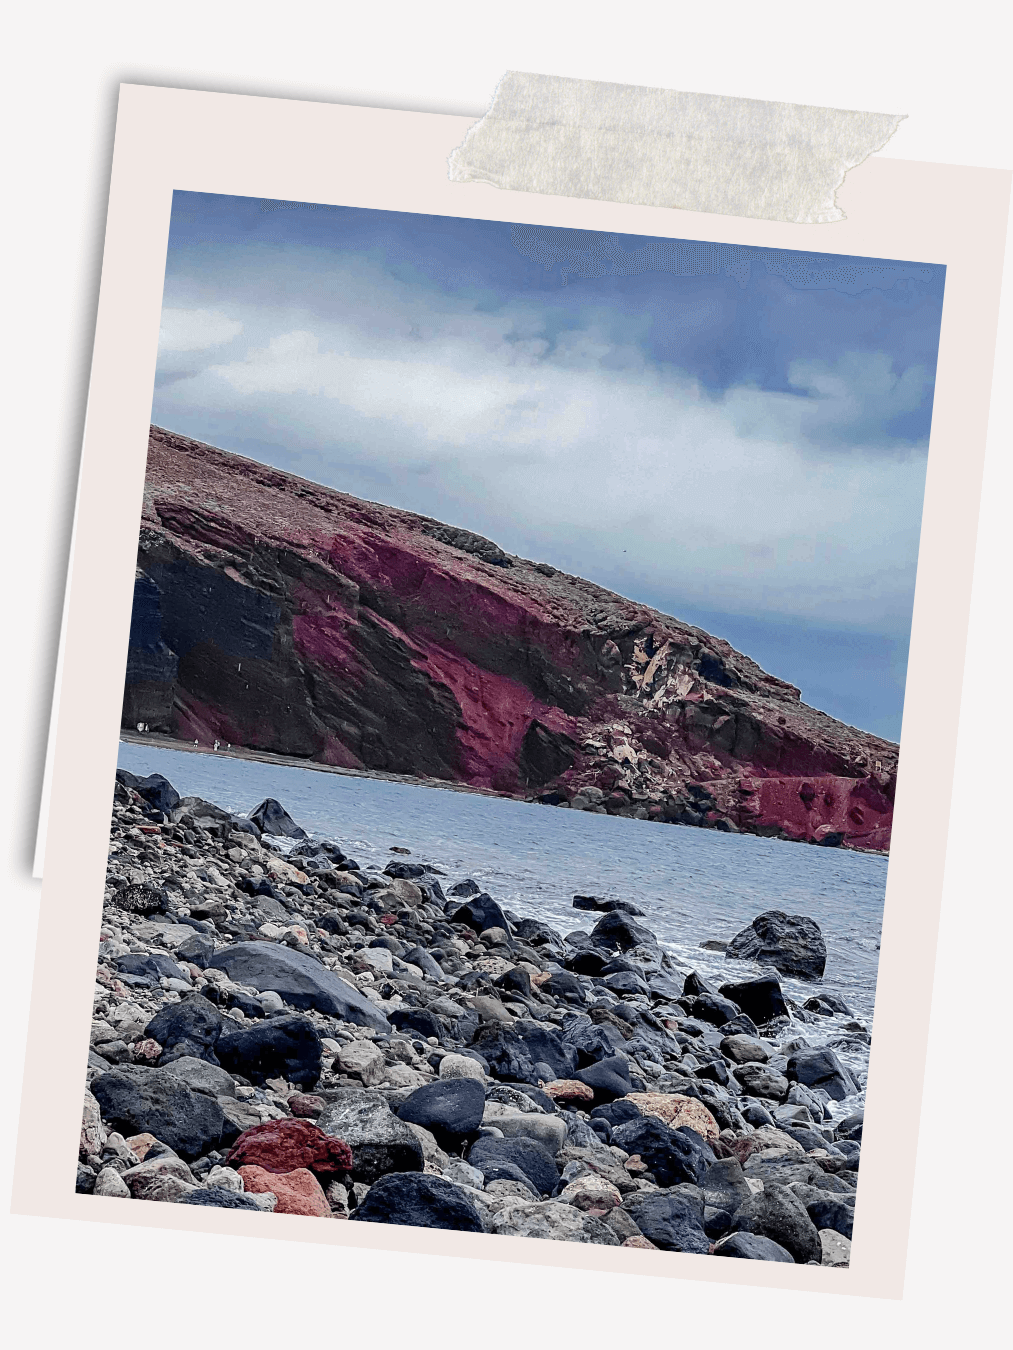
(510,729)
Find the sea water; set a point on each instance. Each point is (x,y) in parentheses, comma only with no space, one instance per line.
(692,884)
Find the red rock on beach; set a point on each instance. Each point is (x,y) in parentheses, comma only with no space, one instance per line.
(298,1191)
(568,1090)
(305,1105)
(282,1146)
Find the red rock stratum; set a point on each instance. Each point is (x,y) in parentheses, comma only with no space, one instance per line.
(286,617)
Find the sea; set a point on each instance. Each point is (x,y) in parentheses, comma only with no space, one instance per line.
(692,884)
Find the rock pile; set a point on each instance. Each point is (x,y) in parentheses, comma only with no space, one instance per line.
(277,1029)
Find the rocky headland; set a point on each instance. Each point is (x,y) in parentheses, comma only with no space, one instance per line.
(276,1028)
(284,617)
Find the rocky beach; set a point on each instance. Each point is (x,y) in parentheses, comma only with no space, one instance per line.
(276,1027)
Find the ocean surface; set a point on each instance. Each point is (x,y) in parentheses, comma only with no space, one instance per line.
(692,884)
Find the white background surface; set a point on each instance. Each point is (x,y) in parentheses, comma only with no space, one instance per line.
(95,1283)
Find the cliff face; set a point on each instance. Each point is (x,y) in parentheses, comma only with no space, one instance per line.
(286,617)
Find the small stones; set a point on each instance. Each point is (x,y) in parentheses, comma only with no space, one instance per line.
(350,1036)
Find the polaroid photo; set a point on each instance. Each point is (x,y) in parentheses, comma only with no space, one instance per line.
(498,684)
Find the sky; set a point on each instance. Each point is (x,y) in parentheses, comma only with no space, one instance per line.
(735,436)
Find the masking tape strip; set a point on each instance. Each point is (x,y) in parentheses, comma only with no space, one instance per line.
(659,147)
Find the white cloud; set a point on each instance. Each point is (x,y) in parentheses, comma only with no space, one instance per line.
(575,448)
(195,330)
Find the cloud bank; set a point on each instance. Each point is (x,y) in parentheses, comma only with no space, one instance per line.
(575,447)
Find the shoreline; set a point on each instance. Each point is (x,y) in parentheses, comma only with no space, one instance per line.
(472,1069)
(159,740)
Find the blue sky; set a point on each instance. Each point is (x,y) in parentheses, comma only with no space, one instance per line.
(737,437)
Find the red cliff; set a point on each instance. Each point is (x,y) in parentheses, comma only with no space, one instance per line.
(286,617)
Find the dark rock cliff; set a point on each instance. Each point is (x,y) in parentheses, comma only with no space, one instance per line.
(285,617)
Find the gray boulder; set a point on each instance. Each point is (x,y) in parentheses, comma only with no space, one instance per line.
(724,1185)
(555,1221)
(778,1214)
(827,1210)
(673,1221)
(759,1081)
(299,980)
(201,1076)
(820,1068)
(379,1141)
(135,1100)
(270,817)
(189,1029)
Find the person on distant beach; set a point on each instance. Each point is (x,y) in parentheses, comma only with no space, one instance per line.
(195,742)
(217,744)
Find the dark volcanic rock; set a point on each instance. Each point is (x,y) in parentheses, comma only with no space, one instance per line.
(694,985)
(618,933)
(514,981)
(192,1027)
(512,1052)
(791,944)
(157,791)
(617,1112)
(610,1078)
(419,1020)
(587,961)
(820,1068)
(760,999)
(508,1171)
(270,817)
(198,950)
(301,981)
(602,906)
(148,1101)
(450,1109)
(751,1247)
(826,1210)
(714,1009)
(533,1159)
(151,966)
(724,1185)
(562,984)
(480,913)
(673,1222)
(419,1201)
(673,1156)
(592,1042)
(142,899)
(465,888)
(778,1214)
(281,1047)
